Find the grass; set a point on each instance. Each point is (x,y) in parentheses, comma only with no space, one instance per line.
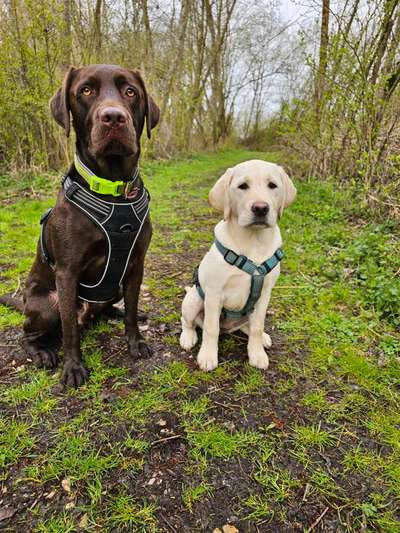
(126,514)
(193,495)
(159,445)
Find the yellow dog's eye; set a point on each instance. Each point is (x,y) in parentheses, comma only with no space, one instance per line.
(86,91)
(130,92)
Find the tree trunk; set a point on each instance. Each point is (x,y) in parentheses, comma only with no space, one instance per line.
(323,53)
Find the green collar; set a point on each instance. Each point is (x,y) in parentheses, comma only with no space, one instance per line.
(103,186)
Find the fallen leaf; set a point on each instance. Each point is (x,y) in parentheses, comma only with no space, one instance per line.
(217,530)
(50,495)
(83,522)
(162,422)
(66,484)
(228,528)
(7,512)
(70,505)
(276,421)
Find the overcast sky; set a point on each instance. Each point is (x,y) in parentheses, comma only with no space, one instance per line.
(293,10)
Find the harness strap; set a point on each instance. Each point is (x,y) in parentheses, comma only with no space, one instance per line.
(247,265)
(257,273)
(45,254)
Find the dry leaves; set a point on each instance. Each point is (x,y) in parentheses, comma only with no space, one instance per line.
(227,528)
(66,484)
(7,512)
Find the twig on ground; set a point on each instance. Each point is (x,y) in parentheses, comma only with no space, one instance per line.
(168,524)
(8,345)
(176,274)
(306,491)
(228,405)
(318,520)
(14,294)
(165,439)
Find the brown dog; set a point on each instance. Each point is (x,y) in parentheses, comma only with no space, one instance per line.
(109,106)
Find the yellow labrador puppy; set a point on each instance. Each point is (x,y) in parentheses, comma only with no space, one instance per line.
(233,284)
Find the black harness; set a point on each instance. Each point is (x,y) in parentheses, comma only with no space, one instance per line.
(120,223)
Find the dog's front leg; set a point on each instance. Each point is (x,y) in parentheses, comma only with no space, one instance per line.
(137,347)
(208,354)
(74,373)
(255,346)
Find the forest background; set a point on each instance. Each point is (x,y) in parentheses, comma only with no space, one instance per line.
(321,84)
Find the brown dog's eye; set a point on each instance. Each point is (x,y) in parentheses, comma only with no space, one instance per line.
(272,185)
(130,92)
(243,186)
(86,91)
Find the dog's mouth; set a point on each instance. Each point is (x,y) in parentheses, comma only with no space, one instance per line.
(260,222)
(113,141)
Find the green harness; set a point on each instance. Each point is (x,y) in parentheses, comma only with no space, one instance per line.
(257,273)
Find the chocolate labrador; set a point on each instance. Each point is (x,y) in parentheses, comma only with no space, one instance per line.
(93,242)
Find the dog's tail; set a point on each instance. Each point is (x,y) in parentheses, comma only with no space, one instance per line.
(11,301)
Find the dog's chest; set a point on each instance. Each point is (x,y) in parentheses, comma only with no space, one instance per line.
(236,291)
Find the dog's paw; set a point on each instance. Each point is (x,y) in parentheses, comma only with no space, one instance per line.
(74,374)
(266,340)
(45,358)
(207,361)
(259,359)
(188,338)
(139,349)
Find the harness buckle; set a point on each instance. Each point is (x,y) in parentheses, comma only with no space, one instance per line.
(243,261)
(267,269)
(71,190)
(230,257)
(120,189)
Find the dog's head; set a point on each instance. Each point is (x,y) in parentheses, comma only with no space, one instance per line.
(109,106)
(254,192)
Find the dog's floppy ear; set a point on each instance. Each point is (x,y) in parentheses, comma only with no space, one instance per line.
(59,104)
(152,112)
(289,191)
(152,115)
(219,197)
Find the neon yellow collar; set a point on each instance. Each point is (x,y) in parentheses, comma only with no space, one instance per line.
(101,185)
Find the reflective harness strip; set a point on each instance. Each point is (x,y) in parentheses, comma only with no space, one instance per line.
(257,273)
(121,224)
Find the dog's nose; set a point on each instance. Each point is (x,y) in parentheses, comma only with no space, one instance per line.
(113,117)
(260,209)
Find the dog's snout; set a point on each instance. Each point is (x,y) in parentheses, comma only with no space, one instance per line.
(260,209)
(113,117)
